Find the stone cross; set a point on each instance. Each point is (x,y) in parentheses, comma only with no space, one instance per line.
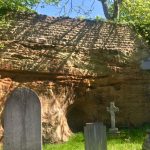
(22,121)
(112,109)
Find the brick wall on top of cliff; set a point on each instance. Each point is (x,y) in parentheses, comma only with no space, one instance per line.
(39,43)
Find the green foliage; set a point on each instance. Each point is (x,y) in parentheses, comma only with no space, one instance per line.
(81,17)
(23,5)
(137,13)
(4,23)
(52,1)
(2,46)
(98,18)
(17,5)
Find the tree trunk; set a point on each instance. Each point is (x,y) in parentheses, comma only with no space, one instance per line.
(116,7)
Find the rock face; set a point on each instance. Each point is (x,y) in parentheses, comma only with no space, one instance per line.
(77,67)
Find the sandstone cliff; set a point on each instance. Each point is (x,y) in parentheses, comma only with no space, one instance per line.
(76,67)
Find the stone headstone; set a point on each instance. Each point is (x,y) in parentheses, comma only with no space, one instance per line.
(112,109)
(146,144)
(95,136)
(22,121)
(145,64)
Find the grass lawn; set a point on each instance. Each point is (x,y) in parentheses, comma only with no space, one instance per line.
(129,139)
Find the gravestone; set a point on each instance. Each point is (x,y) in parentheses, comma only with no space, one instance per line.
(95,136)
(112,109)
(146,144)
(145,64)
(22,121)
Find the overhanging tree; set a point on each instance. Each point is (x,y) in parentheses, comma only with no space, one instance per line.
(29,4)
(111,15)
(137,13)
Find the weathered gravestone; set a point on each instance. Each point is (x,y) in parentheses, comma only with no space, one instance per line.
(112,109)
(145,64)
(22,121)
(95,136)
(146,144)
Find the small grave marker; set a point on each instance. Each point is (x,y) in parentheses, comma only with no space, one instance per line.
(146,144)
(145,64)
(22,121)
(112,109)
(95,136)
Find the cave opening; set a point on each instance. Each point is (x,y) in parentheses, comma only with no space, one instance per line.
(80,113)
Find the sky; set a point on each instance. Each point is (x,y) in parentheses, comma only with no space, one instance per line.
(80,8)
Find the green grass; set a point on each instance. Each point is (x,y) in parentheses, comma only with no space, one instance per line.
(76,142)
(129,139)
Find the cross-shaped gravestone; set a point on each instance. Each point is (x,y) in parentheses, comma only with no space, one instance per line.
(22,121)
(112,109)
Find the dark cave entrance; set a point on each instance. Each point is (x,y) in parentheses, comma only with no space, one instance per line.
(79,114)
(75,119)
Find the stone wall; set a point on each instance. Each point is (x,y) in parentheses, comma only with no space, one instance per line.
(77,67)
